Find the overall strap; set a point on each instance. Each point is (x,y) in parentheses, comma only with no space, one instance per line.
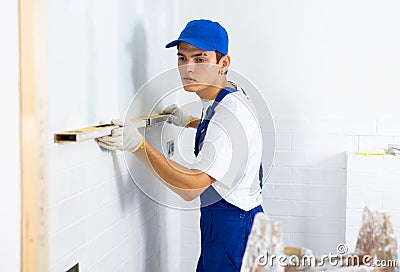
(202,128)
(210,195)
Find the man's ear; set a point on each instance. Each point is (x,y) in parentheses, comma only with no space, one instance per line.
(225,61)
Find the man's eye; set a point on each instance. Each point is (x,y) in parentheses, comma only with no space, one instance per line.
(200,60)
(181,58)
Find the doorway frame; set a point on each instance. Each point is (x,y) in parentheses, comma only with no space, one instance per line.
(33,132)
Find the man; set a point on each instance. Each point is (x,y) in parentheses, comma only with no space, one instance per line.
(227,173)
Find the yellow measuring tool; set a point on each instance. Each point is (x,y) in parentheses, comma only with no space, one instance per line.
(371,153)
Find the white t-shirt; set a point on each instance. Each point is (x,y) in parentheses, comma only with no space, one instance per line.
(232,149)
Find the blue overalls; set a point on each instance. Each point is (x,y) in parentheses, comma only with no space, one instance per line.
(224,227)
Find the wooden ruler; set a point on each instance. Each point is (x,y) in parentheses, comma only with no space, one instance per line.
(92,132)
(33,127)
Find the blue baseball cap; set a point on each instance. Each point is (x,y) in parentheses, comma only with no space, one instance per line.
(205,35)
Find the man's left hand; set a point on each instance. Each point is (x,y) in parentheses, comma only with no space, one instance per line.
(122,138)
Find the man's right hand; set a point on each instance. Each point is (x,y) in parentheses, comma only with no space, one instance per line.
(178,116)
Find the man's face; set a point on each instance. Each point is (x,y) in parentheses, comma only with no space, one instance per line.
(197,68)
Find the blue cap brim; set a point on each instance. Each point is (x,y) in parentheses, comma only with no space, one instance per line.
(172,44)
(193,42)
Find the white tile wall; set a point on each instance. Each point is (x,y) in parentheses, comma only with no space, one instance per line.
(388,127)
(190,240)
(291,126)
(308,184)
(102,226)
(359,198)
(100,54)
(335,176)
(277,207)
(109,223)
(351,143)
(280,175)
(308,192)
(374,142)
(283,141)
(321,143)
(320,209)
(372,182)
(359,127)
(290,158)
(312,225)
(307,175)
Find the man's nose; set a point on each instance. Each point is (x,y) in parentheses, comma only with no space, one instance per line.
(190,66)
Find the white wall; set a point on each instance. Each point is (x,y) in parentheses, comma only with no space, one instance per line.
(10,197)
(100,53)
(329,71)
(372,182)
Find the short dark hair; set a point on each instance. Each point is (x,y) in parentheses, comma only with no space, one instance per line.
(219,56)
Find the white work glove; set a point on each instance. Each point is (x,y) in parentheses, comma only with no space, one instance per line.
(178,116)
(122,138)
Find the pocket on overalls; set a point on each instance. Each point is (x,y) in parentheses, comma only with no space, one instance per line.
(226,243)
(218,259)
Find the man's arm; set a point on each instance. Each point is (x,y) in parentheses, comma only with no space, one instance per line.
(187,183)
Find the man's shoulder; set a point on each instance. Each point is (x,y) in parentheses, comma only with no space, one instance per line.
(237,102)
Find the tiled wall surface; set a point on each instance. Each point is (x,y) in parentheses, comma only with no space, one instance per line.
(100,54)
(307,187)
(98,216)
(372,182)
